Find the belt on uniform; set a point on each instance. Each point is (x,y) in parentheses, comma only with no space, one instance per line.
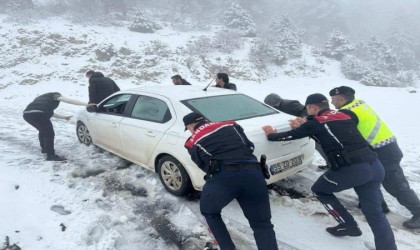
(241,166)
(362,155)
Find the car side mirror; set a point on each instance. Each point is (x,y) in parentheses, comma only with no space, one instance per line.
(92,109)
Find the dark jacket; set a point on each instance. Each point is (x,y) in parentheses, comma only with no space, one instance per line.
(225,142)
(184,82)
(291,107)
(231,86)
(46,103)
(334,130)
(100,87)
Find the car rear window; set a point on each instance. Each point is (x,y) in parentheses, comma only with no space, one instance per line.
(228,107)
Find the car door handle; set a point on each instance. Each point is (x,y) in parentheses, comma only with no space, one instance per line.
(150,133)
(114,124)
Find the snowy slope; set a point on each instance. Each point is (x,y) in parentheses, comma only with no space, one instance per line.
(97,201)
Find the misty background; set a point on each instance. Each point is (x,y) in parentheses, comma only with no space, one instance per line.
(376,42)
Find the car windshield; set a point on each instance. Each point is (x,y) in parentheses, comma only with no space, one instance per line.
(228,107)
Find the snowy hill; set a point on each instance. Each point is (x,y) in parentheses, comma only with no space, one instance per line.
(98,201)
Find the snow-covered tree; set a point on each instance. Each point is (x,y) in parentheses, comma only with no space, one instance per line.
(337,45)
(378,54)
(284,40)
(239,19)
(405,40)
(280,45)
(139,23)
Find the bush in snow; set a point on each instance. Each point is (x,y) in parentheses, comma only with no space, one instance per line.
(337,45)
(239,19)
(158,48)
(406,78)
(353,68)
(200,46)
(226,42)
(139,23)
(379,79)
(105,52)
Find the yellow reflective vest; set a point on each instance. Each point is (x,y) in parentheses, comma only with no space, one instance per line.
(372,128)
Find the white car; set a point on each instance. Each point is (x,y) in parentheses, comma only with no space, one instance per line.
(144,125)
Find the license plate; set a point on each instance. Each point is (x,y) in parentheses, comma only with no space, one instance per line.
(286,165)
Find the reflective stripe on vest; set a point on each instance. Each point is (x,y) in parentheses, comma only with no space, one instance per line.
(372,128)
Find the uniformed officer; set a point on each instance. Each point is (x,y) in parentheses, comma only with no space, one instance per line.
(384,143)
(353,165)
(224,153)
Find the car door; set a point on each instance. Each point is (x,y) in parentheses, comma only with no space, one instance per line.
(150,118)
(106,122)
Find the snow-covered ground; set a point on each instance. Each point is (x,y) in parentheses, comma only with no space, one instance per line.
(98,201)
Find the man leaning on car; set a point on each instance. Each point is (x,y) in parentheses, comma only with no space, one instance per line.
(224,153)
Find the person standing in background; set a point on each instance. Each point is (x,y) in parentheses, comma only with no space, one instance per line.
(100,87)
(177,80)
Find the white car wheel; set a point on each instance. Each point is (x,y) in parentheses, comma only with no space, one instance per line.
(173,176)
(83,133)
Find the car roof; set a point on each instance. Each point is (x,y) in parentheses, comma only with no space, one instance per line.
(181,92)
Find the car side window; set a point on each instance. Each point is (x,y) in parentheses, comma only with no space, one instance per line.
(151,109)
(115,105)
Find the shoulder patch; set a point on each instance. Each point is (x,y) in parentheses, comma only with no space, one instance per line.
(205,130)
(332,115)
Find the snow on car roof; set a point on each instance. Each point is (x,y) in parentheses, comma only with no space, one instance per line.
(182,92)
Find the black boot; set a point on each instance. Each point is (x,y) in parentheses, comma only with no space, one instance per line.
(413,223)
(55,158)
(341,230)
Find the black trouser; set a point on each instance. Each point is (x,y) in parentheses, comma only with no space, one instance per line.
(42,123)
(395,182)
(366,180)
(249,188)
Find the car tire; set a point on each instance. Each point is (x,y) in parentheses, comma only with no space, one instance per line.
(173,176)
(83,133)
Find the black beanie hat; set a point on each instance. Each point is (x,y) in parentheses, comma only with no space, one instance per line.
(315,99)
(192,118)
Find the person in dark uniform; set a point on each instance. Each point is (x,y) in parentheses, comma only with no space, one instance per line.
(222,81)
(384,143)
(38,114)
(353,165)
(100,87)
(224,153)
(295,108)
(178,80)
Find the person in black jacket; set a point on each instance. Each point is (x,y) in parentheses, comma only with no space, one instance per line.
(224,153)
(222,81)
(100,87)
(38,114)
(177,80)
(295,108)
(353,165)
